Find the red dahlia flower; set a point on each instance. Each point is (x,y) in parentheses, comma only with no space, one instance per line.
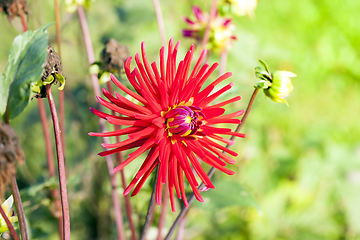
(174,122)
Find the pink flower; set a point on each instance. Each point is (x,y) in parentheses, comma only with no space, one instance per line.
(221,36)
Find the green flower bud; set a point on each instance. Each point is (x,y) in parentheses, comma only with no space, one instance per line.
(276,85)
(280,87)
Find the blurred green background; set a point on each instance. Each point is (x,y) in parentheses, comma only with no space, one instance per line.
(298,170)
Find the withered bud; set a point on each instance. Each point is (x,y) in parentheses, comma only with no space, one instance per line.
(10,154)
(52,64)
(52,68)
(113,56)
(12,8)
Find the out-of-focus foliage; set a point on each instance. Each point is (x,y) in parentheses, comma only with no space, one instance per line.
(300,163)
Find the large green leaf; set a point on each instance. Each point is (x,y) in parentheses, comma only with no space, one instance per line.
(25,65)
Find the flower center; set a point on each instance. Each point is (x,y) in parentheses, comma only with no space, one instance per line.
(183,120)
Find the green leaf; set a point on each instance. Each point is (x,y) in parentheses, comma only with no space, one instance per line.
(265,66)
(25,65)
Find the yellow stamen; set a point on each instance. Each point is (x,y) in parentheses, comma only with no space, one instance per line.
(187,133)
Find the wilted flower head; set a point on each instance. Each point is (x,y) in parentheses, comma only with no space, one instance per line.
(10,154)
(174,121)
(13,8)
(221,36)
(239,7)
(113,56)
(6,206)
(276,85)
(52,74)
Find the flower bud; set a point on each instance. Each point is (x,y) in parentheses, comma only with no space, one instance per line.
(276,85)
(71,5)
(280,87)
(238,7)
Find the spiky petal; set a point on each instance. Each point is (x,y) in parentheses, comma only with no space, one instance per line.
(175,122)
